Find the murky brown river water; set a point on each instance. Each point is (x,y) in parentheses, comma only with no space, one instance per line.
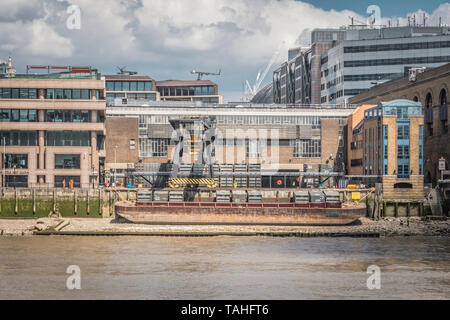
(224,268)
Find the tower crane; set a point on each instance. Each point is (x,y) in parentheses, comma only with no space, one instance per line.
(250,91)
(202,73)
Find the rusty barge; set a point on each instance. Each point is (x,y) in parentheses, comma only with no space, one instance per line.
(207,212)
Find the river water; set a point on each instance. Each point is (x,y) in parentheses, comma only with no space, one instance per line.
(224,267)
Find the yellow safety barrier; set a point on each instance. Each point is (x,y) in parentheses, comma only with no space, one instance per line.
(183,182)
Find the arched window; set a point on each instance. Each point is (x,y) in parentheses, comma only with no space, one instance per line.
(443,110)
(416,99)
(429,113)
(429,101)
(443,96)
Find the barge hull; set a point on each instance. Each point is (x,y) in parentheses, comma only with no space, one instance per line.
(277,214)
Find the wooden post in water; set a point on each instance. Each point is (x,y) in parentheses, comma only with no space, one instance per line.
(16,202)
(54,202)
(34,201)
(100,206)
(88,209)
(109,203)
(75,207)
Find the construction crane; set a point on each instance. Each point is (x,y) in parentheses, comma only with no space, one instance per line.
(202,73)
(250,91)
(122,70)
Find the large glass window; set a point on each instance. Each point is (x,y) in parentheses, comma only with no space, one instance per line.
(133,86)
(68,138)
(16,181)
(18,138)
(18,161)
(148,86)
(67,94)
(76,94)
(23,115)
(141,86)
(85,94)
(67,161)
(307,148)
(117,86)
(125,86)
(109,86)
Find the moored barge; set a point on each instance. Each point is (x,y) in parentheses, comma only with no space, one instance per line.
(214,213)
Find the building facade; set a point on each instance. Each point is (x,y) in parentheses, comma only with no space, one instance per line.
(354,141)
(369,57)
(130,86)
(52,129)
(341,63)
(277,138)
(392,139)
(431,90)
(189,90)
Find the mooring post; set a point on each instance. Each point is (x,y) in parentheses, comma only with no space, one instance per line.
(88,209)
(16,204)
(34,201)
(54,202)
(110,203)
(396,209)
(75,207)
(100,206)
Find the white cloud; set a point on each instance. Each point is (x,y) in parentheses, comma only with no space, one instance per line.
(167,38)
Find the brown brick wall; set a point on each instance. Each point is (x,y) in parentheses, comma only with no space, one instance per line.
(119,133)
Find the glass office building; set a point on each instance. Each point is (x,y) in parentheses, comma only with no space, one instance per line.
(372,56)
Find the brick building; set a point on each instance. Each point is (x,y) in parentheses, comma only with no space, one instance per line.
(431,89)
(392,142)
(280,139)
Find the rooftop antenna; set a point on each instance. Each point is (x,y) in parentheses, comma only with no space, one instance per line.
(202,73)
(424,19)
(440,21)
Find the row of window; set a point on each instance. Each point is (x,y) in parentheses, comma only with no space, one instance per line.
(133,96)
(67,116)
(186,91)
(62,161)
(28,93)
(26,115)
(22,93)
(21,181)
(68,138)
(398,46)
(19,138)
(16,115)
(128,86)
(315,121)
(395,61)
(74,94)
(52,138)
(303,148)
(374,76)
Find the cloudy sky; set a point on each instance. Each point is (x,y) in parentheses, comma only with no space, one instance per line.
(167,38)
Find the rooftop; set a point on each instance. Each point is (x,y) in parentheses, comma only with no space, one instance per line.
(127,77)
(180,83)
